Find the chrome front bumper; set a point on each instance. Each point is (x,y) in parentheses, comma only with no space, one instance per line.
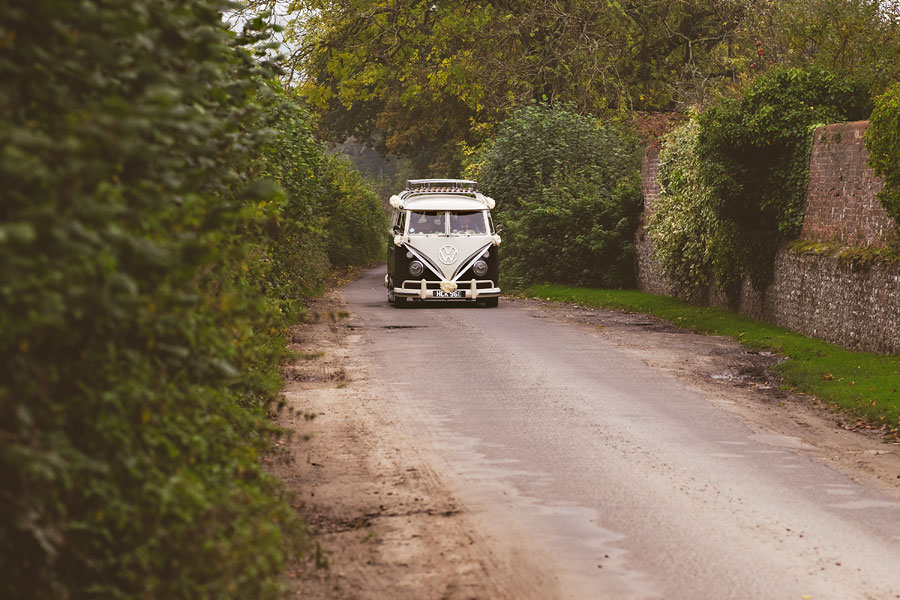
(472,289)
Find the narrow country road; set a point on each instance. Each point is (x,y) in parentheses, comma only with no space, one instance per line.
(626,481)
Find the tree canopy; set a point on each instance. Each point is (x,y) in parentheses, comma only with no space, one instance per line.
(418,78)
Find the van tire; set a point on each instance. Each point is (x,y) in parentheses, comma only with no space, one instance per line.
(491,302)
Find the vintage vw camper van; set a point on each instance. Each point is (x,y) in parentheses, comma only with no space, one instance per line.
(443,244)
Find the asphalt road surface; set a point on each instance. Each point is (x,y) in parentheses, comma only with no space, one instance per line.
(629,482)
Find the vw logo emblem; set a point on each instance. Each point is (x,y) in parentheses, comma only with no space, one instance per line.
(448,254)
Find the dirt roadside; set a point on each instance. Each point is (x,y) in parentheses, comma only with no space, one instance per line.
(389,526)
(383,514)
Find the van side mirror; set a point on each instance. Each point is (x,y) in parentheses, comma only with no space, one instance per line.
(498,229)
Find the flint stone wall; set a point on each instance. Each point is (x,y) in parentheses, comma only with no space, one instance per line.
(816,295)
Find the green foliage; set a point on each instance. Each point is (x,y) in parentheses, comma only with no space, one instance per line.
(691,241)
(883,144)
(297,260)
(858,38)
(356,218)
(394,74)
(734,182)
(568,195)
(327,216)
(149,269)
(862,384)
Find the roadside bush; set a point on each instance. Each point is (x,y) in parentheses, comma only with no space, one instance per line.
(572,231)
(324,215)
(568,195)
(146,278)
(883,144)
(356,219)
(296,259)
(691,241)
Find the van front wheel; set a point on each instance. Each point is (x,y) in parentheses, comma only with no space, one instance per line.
(491,302)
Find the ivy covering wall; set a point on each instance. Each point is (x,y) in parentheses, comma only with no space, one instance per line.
(733,178)
(883,143)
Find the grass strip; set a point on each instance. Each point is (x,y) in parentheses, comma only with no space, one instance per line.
(862,384)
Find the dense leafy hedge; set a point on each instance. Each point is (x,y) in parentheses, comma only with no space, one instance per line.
(148,271)
(734,181)
(568,195)
(356,221)
(883,143)
(297,260)
(324,216)
(691,241)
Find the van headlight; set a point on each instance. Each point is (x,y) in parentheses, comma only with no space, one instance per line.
(416,268)
(480,267)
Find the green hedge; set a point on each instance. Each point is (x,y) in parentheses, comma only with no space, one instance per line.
(692,242)
(325,216)
(356,216)
(150,267)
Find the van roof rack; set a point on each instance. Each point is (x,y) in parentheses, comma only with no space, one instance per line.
(441,185)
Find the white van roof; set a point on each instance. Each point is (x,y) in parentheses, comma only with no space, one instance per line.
(441,194)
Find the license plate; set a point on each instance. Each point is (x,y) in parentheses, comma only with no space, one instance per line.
(443,294)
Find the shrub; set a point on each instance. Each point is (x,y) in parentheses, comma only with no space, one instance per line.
(572,231)
(568,194)
(690,239)
(356,219)
(296,262)
(883,144)
(325,214)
